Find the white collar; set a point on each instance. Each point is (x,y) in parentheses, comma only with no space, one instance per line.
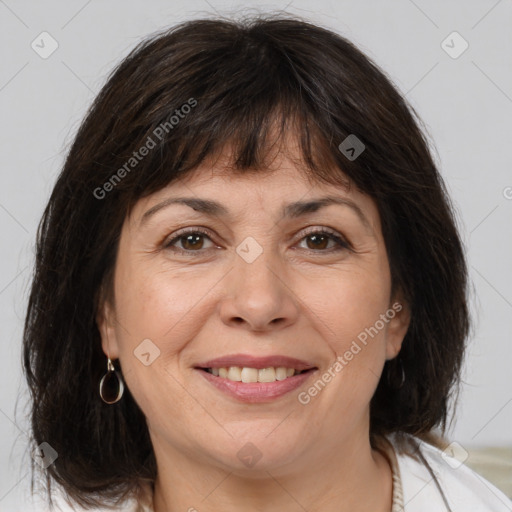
(431,481)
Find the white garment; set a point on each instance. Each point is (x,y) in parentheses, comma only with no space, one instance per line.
(431,484)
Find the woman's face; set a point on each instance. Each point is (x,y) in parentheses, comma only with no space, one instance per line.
(262,282)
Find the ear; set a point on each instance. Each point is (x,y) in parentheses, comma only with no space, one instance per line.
(105,320)
(397,326)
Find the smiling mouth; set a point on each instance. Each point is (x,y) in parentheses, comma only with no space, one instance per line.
(251,375)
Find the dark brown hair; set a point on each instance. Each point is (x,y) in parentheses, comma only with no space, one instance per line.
(245,77)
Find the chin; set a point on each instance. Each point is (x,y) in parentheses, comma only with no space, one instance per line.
(253,450)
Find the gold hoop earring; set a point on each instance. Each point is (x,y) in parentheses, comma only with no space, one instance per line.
(111,385)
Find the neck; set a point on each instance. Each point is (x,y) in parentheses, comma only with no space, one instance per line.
(353,477)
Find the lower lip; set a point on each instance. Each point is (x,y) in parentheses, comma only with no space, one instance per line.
(254,392)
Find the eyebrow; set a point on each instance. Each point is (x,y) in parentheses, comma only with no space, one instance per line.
(290,210)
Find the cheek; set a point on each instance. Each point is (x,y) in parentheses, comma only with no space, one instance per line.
(350,314)
(349,319)
(167,307)
(169,311)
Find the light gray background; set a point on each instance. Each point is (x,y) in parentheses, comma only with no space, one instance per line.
(465,102)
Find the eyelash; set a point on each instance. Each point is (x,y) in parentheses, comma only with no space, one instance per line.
(341,242)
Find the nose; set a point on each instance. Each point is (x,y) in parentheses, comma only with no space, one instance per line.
(259,295)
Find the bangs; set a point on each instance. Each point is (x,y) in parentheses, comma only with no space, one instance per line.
(246,107)
(246,141)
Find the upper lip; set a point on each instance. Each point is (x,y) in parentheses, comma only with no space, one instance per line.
(244,360)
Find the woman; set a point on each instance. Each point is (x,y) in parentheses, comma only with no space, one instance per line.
(250,292)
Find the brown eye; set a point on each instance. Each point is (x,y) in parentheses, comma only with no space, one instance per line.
(318,241)
(191,241)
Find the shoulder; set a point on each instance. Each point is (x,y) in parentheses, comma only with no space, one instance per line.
(431,480)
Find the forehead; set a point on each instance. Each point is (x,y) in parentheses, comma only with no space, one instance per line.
(284,179)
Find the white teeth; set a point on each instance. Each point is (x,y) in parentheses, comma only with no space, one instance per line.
(234,373)
(249,375)
(245,374)
(282,373)
(266,375)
